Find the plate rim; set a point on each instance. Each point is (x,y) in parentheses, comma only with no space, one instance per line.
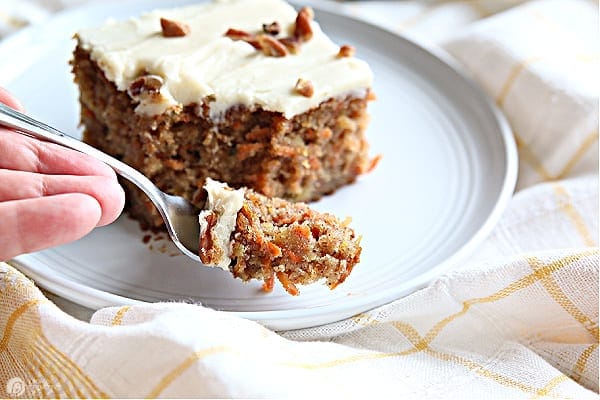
(304,317)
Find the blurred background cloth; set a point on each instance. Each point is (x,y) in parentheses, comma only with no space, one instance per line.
(519,319)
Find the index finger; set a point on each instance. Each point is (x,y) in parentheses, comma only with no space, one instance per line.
(22,153)
(18,152)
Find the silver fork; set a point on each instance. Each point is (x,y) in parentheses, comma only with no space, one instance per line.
(181,218)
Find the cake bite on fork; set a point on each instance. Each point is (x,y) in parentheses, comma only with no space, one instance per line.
(257,237)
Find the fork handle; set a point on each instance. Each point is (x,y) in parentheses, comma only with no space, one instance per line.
(32,128)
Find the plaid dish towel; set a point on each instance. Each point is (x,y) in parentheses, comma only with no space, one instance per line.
(519,319)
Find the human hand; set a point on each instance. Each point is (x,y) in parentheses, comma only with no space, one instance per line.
(50,195)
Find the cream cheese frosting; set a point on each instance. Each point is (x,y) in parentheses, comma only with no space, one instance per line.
(225,203)
(206,63)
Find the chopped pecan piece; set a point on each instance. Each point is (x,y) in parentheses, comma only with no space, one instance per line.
(305,87)
(278,47)
(172,28)
(303,30)
(147,85)
(272,29)
(346,51)
(237,34)
(271,46)
(290,43)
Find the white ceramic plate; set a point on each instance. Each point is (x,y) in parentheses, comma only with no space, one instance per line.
(448,168)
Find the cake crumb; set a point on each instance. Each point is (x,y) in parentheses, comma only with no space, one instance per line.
(268,284)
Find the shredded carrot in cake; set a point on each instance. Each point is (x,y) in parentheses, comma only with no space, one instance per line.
(287,284)
(292,256)
(274,250)
(373,163)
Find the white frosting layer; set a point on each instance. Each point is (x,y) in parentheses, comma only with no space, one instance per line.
(206,63)
(225,203)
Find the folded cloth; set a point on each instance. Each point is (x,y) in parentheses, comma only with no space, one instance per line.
(519,319)
(540,62)
(520,328)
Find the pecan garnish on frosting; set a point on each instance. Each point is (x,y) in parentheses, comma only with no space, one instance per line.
(273,46)
(346,51)
(172,28)
(272,29)
(145,86)
(237,34)
(291,43)
(303,30)
(304,87)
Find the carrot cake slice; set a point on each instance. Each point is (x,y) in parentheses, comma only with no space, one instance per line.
(257,237)
(249,92)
